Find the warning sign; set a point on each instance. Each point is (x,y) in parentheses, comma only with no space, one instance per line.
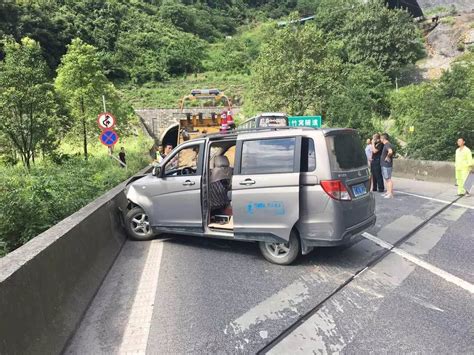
(106,120)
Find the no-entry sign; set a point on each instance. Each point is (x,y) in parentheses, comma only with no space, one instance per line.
(106,120)
(109,137)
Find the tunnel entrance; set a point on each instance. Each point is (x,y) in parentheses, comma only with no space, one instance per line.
(170,136)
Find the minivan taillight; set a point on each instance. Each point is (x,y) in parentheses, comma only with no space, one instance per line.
(336,189)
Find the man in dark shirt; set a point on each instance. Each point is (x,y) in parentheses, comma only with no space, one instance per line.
(122,157)
(375,168)
(386,164)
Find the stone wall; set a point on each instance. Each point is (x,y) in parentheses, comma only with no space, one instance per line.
(461,5)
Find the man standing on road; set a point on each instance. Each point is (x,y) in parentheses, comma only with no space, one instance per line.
(463,165)
(375,168)
(386,164)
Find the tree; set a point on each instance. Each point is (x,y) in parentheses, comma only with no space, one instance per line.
(294,71)
(82,83)
(440,112)
(385,38)
(152,51)
(301,71)
(359,100)
(28,104)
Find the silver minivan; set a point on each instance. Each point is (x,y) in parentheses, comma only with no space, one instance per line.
(289,189)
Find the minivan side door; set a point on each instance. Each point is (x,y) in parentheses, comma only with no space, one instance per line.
(177,193)
(265,186)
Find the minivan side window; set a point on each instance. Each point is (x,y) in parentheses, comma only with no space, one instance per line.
(267,156)
(308,155)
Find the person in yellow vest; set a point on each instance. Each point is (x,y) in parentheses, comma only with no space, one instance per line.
(463,165)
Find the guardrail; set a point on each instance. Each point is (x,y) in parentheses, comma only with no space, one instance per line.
(47,284)
(436,171)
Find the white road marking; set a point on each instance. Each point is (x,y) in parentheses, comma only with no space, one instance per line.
(135,337)
(274,307)
(435,199)
(427,266)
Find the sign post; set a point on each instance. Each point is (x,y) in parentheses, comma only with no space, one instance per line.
(106,121)
(305,121)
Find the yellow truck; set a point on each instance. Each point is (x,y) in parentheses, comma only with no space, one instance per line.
(194,123)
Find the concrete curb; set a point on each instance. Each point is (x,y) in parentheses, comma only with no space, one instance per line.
(425,170)
(47,284)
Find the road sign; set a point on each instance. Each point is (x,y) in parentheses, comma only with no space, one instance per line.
(106,120)
(108,137)
(305,121)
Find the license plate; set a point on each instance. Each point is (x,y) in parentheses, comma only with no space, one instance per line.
(359,190)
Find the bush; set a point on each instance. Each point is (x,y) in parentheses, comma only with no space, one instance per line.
(32,202)
(440,112)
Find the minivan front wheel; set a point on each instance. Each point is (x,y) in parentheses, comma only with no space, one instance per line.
(281,253)
(137,224)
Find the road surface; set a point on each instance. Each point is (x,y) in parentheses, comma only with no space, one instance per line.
(405,286)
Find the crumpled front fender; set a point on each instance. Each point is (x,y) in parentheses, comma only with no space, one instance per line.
(135,195)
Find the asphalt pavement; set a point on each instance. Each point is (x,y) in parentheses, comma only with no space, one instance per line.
(405,286)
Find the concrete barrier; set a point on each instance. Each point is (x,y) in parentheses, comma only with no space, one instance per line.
(47,284)
(436,171)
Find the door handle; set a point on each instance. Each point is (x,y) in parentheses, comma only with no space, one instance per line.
(247,182)
(189,183)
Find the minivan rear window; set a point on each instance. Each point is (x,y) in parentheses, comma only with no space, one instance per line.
(346,152)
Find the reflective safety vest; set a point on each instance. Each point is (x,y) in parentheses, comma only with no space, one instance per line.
(463,159)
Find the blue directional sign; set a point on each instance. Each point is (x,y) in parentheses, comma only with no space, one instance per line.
(108,137)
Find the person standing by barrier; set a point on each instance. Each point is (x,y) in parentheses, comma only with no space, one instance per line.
(375,168)
(386,164)
(122,157)
(463,165)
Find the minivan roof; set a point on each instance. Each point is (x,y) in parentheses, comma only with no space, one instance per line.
(325,131)
(280,114)
(331,131)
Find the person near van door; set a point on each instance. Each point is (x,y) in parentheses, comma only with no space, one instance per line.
(368,150)
(122,157)
(386,164)
(368,154)
(168,149)
(375,167)
(463,165)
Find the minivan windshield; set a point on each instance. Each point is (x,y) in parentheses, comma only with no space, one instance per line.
(346,151)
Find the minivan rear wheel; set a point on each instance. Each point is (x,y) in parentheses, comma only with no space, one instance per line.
(281,253)
(137,224)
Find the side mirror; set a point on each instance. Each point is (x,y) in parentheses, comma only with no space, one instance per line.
(156,171)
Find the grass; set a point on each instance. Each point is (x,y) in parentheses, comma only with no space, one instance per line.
(32,201)
(167,94)
(449,20)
